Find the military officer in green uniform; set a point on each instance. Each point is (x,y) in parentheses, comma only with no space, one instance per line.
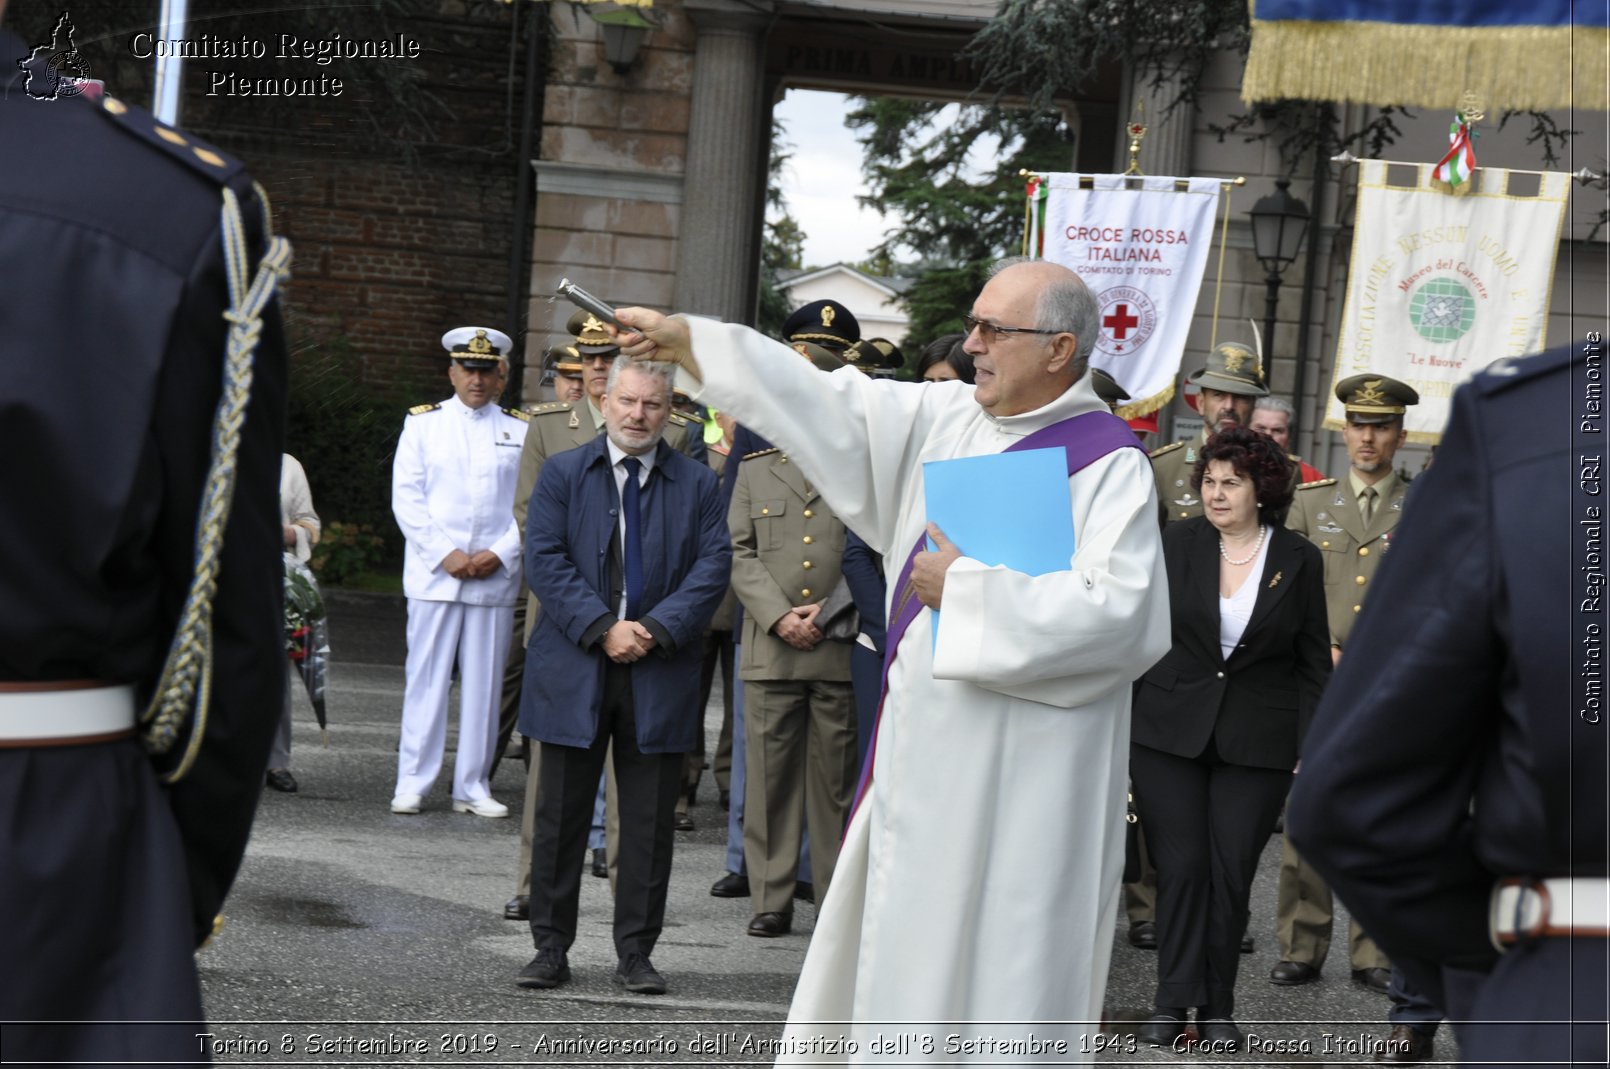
(555,427)
(1352,521)
(799,704)
(1230,383)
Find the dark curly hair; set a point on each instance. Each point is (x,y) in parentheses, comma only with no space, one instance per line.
(1256,458)
(946,349)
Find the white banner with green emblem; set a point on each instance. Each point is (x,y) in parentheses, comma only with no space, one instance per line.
(1141,245)
(1440,286)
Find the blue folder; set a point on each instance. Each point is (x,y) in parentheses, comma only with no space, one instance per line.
(1008,509)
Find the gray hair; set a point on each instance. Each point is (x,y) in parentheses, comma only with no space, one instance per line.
(1272,403)
(1065,304)
(658,369)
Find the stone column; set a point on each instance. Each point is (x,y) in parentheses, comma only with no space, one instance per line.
(717,237)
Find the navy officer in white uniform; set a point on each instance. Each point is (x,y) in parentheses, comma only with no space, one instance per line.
(452,492)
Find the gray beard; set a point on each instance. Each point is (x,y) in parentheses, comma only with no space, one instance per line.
(632,447)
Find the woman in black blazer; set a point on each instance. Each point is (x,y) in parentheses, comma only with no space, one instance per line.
(1218,721)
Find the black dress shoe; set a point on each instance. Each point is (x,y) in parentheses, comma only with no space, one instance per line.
(549,968)
(280,779)
(731,885)
(600,864)
(1143,934)
(1162,1030)
(771,925)
(805,892)
(1377,980)
(726,798)
(1219,1035)
(636,973)
(517,908)
(1405,1046)
(1246,944)
(1292,973)
(684,822)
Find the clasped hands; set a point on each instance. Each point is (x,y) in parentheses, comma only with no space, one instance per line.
(797,627)
(461,565)
(627,641)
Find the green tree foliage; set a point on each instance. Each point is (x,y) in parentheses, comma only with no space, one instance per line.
(950,222)
(782,246)
(345,434)
(1045,49)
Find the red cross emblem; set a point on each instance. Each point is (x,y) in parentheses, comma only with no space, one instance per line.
(1128,318)
(1120,322)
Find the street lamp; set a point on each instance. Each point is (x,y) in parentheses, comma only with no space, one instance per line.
(1279,222)
(625,28)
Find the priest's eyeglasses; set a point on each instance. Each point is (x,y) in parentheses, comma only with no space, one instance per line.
(988,332)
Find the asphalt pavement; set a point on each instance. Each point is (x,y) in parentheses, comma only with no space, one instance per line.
(356,936)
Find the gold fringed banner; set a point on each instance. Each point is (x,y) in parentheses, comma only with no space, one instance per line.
(1146,405)
(1522,68)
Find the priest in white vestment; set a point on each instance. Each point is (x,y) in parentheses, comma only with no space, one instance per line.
(973,907)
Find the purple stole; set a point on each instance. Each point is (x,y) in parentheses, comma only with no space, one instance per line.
(1086,438)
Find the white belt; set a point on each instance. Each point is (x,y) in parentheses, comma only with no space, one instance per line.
(49,714)
(1564,906)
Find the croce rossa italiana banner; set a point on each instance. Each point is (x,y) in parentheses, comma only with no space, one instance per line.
(1141,246)
(1440,286)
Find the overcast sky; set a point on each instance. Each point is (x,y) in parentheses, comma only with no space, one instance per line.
(823,176)
(823,179)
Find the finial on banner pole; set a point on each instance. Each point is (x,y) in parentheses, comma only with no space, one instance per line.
(1137,133)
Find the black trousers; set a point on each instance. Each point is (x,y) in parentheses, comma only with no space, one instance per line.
(1206,824)
(95,903)
(1544,1003)
(648,786)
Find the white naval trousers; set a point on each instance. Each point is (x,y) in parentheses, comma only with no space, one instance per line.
(477,636)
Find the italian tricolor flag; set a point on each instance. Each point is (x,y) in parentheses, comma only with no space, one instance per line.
(1455,169)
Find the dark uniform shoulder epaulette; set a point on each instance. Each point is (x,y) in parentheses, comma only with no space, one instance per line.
(1160,450)
(1317,482)
(684,420)
(761,453)
(517,414)
(194,153)
(420,410)
(550,407)
(1511,370)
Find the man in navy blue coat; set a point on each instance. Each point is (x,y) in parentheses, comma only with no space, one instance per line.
(1452,787)
(628,553)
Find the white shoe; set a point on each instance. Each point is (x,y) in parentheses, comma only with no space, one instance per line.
(481,807)
(406,803)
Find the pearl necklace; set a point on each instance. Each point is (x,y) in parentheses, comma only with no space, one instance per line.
(1225,553)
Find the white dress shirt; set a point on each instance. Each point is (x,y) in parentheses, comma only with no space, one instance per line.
(1236,610)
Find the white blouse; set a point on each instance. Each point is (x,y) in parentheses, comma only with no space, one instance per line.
(1236,610)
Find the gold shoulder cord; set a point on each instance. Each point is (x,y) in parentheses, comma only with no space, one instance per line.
(186,679)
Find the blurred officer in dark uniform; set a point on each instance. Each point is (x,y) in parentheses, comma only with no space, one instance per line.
(1453,785)
(114,861)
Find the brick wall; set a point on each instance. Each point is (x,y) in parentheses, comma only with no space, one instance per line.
(394,242)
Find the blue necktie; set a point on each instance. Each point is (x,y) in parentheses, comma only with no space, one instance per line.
(633,549)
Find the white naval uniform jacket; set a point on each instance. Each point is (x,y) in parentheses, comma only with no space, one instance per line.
(452,487)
